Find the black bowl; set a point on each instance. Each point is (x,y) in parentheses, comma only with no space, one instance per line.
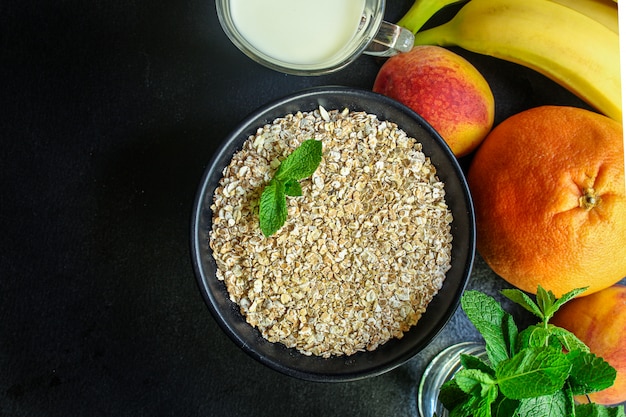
(396,351)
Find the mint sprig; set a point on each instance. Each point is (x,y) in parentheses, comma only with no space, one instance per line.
(531,373)
(300,164)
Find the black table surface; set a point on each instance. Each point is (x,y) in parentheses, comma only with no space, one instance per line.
(109,114)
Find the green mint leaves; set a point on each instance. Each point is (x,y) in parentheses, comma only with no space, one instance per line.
(273,207)
(299,165)
(532,373)
(302,162)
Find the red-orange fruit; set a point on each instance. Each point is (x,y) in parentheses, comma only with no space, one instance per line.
(548,187)
(599,320)
(445,89)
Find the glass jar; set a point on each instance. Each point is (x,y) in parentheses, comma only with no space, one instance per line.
(442,368)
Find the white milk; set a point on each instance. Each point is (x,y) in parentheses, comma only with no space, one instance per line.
(297,31)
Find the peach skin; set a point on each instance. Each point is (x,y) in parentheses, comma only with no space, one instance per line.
(599,320)
(445,89)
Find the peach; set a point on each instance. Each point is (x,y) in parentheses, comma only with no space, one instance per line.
(445,89)
(599,320)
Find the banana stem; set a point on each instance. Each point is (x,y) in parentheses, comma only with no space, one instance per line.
(435,36)
(422,11)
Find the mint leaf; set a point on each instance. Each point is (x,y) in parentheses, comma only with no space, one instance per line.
(504,407)
(488,398)
(567,339)
(550,335)
(597,410)
(547,304)
(510,333)
(494,324)
(302,162)
(564,299)
(536,336)
(555,405)
(293,188)
(590,373)
(545,301)
(473,362)
(534,376)
(272,208)
(451,396)
(523,300)
(473,381)
(533,372)
(475,406)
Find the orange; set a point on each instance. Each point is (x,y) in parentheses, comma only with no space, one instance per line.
(549,192)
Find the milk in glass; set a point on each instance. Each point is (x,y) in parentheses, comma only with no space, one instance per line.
(298,31)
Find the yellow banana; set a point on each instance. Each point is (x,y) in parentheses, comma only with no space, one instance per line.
(603,11)
(572,49)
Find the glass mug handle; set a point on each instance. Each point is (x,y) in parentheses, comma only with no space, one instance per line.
(390,40)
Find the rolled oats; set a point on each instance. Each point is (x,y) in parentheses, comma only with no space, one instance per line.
(363,251)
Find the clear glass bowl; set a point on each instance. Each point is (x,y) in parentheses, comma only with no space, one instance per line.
(442,368)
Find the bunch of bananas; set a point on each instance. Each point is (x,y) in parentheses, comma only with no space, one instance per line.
(573,42)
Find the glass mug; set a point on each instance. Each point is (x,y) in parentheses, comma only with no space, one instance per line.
(440,370)
(311,37)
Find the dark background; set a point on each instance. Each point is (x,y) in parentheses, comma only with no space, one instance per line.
(109,113)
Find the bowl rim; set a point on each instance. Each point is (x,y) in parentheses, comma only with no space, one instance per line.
(288,360)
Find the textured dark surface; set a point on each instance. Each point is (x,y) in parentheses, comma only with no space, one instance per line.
(109,113)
